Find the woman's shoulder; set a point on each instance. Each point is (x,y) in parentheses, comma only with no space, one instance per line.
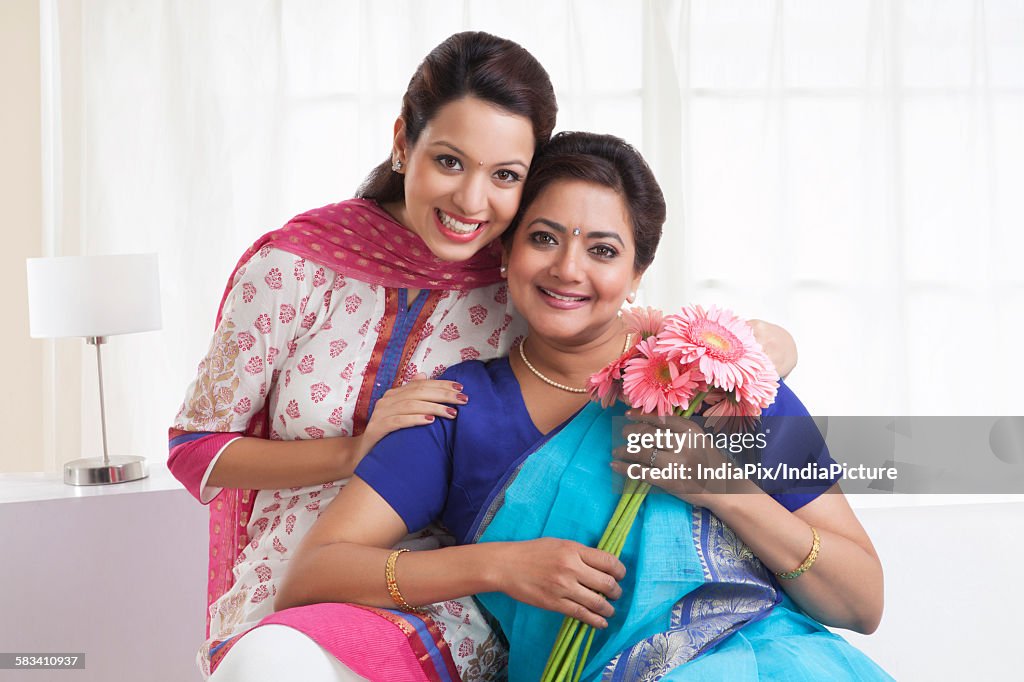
(786,404)
(271,250)
(279,268)
(491,376)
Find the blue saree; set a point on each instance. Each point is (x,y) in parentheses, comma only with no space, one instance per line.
(696,604)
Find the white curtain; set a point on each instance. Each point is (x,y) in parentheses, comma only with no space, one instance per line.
(852,170)
(189,128)
(847,169)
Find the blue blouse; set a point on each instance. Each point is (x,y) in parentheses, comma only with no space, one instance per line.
(447,469)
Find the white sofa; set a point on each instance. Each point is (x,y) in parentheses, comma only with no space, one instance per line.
(118,573)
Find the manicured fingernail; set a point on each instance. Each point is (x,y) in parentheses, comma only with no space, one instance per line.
(462,398)
(428,417)
(452,411)
(457,386)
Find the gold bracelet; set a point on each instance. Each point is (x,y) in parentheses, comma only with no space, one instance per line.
(396,595)
(808,562)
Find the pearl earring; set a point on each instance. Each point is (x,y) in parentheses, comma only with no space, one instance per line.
(503,270)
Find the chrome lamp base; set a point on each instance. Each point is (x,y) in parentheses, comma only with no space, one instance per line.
(96,471)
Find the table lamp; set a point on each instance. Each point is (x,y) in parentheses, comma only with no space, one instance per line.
(95,297)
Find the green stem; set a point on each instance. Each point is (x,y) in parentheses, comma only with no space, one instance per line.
(561,647)
(697,400)
(565,658)
(616,540)
(553,658)
(617,514)
(586,653)
(625,524)
(571,662)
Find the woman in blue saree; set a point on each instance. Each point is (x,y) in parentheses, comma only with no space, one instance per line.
(522,480)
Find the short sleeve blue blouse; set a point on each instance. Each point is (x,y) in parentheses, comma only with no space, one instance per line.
(447,469)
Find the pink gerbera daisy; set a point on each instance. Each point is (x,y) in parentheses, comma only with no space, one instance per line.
(643,322)
(606,385)
(722,344)
(655,384)
(726,413)
(761,390)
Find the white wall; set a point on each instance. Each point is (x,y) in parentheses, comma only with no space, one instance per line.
(21,400)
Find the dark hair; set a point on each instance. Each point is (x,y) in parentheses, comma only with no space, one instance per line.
(474,64)
(608,161)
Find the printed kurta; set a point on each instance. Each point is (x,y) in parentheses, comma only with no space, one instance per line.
(316,349)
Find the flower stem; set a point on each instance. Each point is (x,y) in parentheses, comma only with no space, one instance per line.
(586,653)
(694,404)
(629,487)
(571,661)
(557,650)
(566,659)
(557,657)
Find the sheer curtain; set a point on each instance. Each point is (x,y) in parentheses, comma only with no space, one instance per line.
(847,169)
(850,169)
(189,128)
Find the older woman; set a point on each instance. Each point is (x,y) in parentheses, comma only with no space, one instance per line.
(521,478)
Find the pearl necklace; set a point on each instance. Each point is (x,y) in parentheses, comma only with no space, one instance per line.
(552,382)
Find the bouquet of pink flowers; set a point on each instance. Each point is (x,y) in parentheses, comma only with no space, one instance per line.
(678,364)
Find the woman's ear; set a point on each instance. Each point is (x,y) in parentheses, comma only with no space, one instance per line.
(634,287)
(400,148)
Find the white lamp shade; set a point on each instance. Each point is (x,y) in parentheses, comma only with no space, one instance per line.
(93,295)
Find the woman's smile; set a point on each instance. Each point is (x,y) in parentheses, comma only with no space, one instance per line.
(563,300)
(457,228)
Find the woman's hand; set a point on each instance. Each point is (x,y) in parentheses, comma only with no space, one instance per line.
(778,345)
(563,576)
(418,402)
(680,450)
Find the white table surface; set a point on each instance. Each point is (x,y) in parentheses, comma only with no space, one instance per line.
(33,487)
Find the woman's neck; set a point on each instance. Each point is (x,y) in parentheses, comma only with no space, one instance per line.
(396,209)
(569,363)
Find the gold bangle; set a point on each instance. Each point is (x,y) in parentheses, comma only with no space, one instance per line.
(396,594)
(808,562)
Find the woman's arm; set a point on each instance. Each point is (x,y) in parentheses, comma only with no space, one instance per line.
(263,464)
(843,588)
(343,557)
(277,300)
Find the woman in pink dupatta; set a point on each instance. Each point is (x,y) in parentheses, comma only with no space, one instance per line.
(330,326)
